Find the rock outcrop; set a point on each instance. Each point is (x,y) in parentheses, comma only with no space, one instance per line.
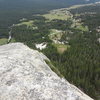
(24,75)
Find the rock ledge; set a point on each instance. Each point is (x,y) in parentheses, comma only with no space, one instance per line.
(24,75)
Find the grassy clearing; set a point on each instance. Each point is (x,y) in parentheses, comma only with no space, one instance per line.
(82,28)
(61,48)
(59,16)
(3,41)
(55,34)
(53,68)
(28,23)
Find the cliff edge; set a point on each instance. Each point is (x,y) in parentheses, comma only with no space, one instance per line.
(24,75)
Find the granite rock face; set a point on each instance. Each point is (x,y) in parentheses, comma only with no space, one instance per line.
(24,75)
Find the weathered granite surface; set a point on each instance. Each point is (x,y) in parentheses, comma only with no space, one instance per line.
(24,75)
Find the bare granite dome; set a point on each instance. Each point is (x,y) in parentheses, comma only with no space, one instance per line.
(24,75)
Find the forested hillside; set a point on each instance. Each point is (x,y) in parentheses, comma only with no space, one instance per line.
(12,10)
